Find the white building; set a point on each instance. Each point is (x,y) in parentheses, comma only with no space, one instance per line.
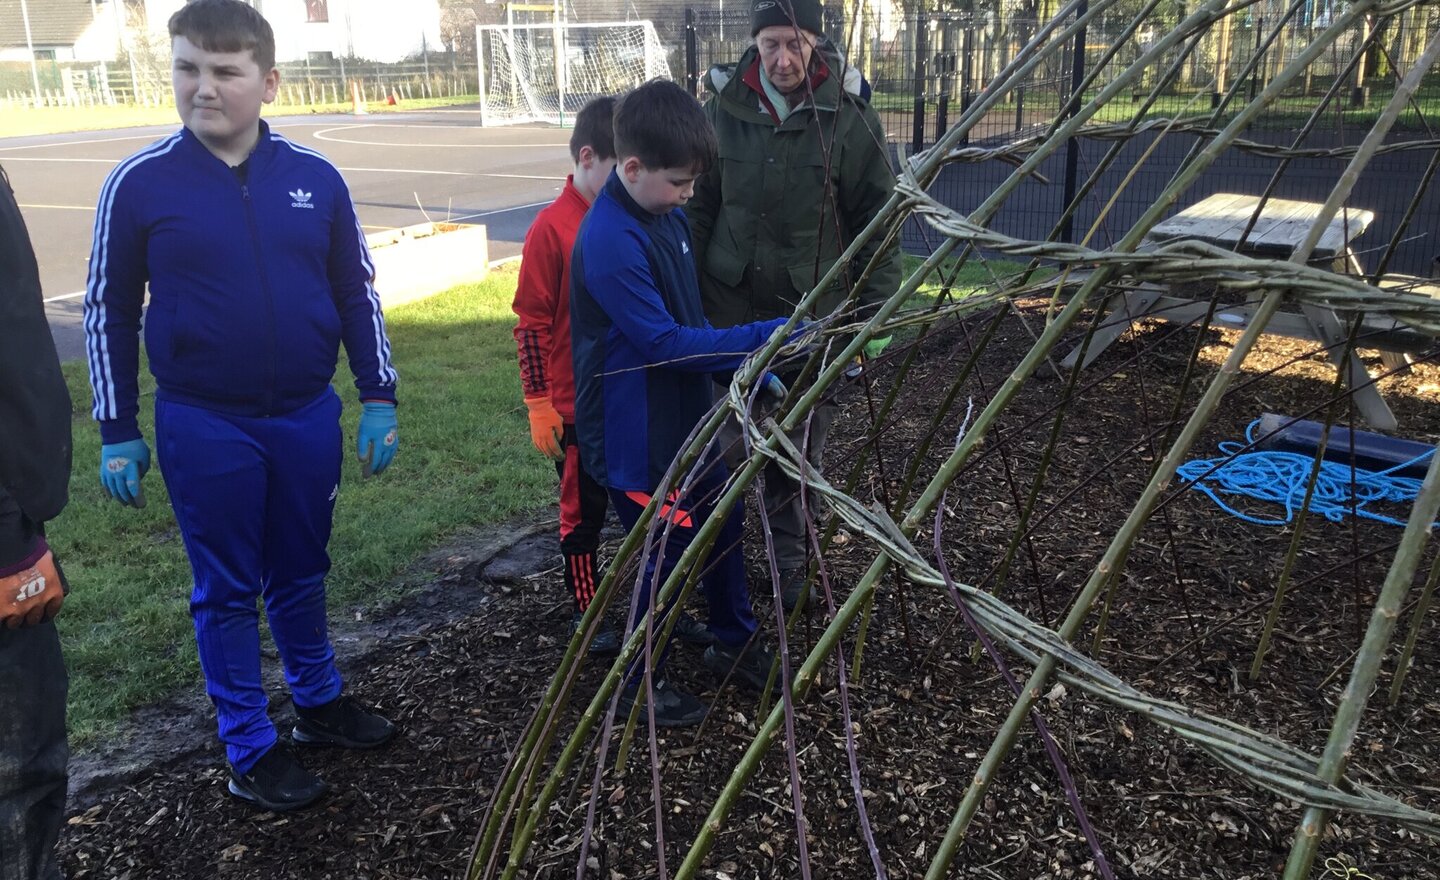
(60,30)
(376,30)
(85,30)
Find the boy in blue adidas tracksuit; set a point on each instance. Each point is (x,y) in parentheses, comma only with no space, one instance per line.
(644,355)
(257,271)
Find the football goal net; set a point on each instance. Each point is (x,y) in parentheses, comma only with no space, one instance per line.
(546,72)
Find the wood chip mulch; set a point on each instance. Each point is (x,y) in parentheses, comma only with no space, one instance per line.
(1184,626)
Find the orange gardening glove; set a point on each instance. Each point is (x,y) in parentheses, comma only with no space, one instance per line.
(33,595)
(547,431)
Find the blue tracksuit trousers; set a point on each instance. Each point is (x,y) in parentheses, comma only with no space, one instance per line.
(254,499)
(726,591)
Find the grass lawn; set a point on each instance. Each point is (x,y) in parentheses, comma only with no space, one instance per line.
(976,276)
(18,121)
(465,459)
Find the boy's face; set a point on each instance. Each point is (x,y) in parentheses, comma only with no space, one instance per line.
(658,190)
(219,95)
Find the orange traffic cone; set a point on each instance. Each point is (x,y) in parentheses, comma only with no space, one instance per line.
(391,100)
(357,100)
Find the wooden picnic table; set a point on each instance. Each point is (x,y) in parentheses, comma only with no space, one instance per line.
(1279,229)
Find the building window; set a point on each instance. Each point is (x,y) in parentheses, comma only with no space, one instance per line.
(317,10)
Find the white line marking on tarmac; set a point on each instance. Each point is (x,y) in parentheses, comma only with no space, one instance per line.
(347,170)
(499,211)
(410,171)
(76,294)
(327,135)
(165,129)
(90,208)
(109,140)
(522,176)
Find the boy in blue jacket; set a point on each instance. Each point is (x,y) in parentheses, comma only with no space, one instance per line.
(644,355)
(257,271)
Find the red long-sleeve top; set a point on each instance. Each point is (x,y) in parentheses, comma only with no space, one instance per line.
(542,300)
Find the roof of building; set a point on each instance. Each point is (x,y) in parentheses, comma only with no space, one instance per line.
(52,22)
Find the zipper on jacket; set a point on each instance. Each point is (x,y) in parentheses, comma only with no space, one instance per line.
(268,403)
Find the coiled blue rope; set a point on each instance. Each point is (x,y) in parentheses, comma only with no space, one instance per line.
(1281,478)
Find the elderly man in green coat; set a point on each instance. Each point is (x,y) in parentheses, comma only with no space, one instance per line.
(803,168)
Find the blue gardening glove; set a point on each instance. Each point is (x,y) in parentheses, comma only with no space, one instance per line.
(122,467)
(876,347)
(378,436)
(771,387)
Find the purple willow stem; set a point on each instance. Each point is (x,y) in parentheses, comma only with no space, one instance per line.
(792,746)
(1072,793)
(609,724)
(852,749)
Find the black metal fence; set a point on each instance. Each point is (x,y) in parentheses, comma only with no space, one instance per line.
(926,71)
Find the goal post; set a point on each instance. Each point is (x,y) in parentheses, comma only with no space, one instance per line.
(547,72)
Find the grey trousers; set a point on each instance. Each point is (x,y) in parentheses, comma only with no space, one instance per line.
(33,751)
(780,494)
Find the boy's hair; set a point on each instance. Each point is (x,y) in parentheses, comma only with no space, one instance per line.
(662,125)
(226,26)
(595,128)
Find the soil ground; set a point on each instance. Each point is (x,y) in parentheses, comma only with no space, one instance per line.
(1184,626)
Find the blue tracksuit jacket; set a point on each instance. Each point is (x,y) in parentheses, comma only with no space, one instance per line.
(643,349)
(253,285)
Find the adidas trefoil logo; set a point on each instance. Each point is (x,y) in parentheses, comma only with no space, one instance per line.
(302,199)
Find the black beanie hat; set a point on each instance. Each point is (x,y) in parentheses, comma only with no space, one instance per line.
(765,13)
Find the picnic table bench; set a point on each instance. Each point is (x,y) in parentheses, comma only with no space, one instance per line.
(1239,223)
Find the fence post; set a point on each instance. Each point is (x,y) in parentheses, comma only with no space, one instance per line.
(692,57)
(945,78)
(1357,93)
(967,72)
(1255,69)
(1072,147)
(917,138)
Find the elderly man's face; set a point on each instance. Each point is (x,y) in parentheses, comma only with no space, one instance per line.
(785,51)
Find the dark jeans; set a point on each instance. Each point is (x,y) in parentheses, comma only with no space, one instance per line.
(731,618)
(33,751)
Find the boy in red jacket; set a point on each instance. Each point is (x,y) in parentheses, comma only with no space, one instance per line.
(542,300)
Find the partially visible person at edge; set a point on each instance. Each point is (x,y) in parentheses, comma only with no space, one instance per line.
(257,271)
(547,376)
(803,168)
(643,355)
(34,480)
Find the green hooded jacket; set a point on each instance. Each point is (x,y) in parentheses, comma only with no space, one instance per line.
(777,209)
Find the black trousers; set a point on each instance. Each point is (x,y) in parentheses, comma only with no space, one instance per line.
(583,503)
(33,751)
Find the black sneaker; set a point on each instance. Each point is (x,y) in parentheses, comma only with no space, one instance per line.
(673,707)
(278,782)
(748,668)
(691,631)
(606,642)
(793,586)
(341,722)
